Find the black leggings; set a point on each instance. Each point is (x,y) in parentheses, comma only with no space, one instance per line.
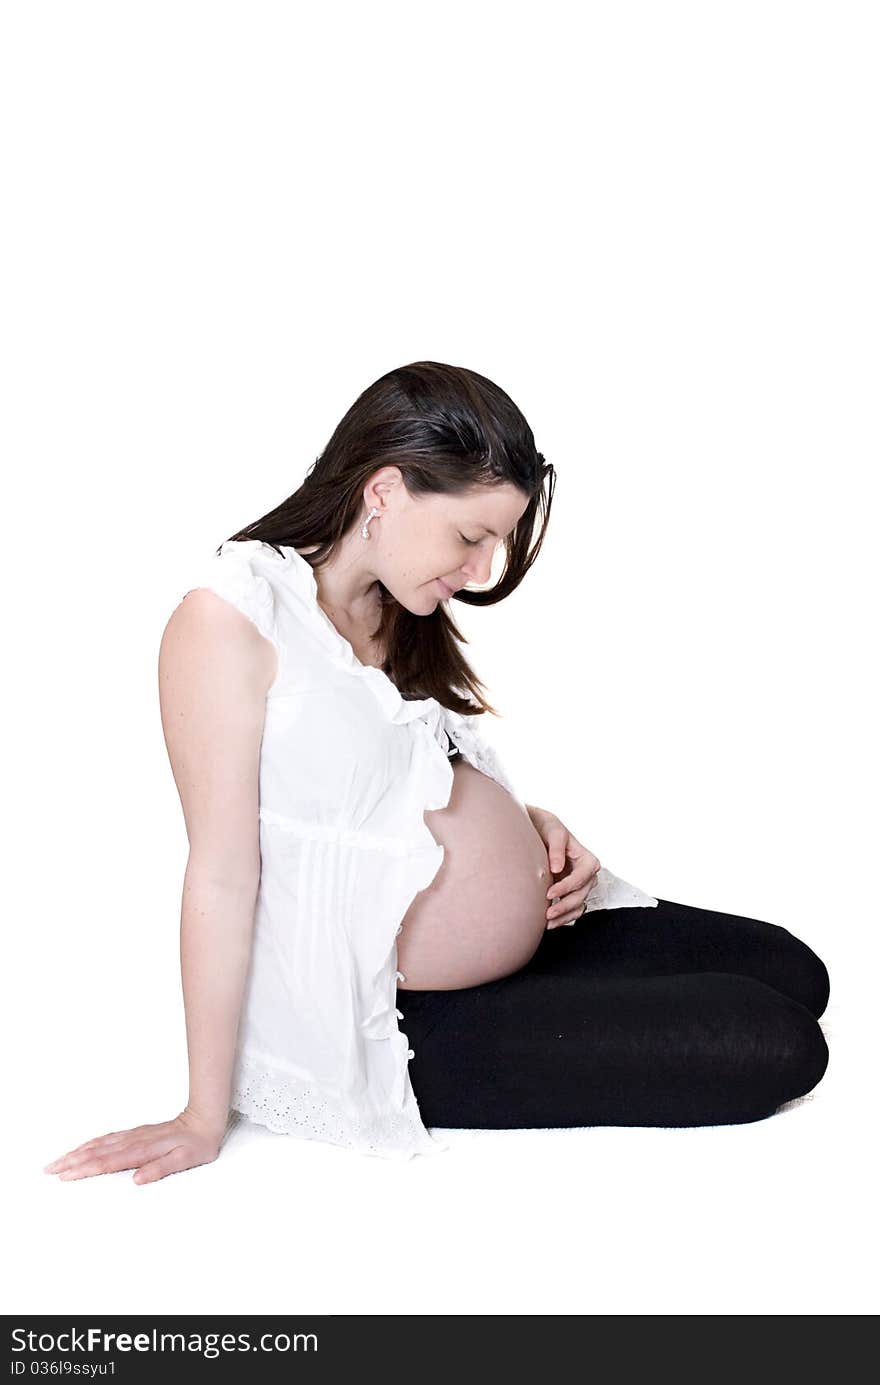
(667,1016)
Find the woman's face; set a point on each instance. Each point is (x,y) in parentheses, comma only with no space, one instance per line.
(428,546)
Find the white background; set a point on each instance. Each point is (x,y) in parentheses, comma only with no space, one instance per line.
(656,227)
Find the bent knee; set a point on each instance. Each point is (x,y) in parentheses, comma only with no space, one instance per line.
(787,1053)
(804,1055)
(762,1047)
(811,984)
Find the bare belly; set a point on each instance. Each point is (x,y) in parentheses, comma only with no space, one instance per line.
(484,913)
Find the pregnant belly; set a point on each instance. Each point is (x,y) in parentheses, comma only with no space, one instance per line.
(484,913)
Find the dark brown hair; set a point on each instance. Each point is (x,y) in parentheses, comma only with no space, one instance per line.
(447,429)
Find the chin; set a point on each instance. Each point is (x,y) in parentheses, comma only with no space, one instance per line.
(422,601)
(419,604)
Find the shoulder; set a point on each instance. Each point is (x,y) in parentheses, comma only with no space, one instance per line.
(237,574)
(225,620)
(208,638)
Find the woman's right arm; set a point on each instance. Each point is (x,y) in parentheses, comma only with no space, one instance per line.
(215,669)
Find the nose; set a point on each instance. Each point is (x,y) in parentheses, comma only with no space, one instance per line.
(480,572)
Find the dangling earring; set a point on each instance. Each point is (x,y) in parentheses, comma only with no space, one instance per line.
(365,533)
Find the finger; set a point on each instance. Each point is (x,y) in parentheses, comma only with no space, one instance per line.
(110,1137)
(71,1154)
(115,1159)
(561,888)
(174,1161)
(556,850)
(100,1142)
(562,904)
(574,895)
(570,908)
(565,921)
(567,913)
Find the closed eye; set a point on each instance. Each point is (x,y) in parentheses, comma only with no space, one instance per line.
(471,543)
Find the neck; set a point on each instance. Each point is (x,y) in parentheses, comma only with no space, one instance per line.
(347,589)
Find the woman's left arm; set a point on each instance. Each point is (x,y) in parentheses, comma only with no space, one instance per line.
(575,867)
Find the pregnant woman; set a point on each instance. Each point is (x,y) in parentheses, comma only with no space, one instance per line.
(371,939)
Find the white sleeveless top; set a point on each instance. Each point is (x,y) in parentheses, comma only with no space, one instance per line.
(348,768)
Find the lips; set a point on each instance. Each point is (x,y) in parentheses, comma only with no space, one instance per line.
(447,591)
